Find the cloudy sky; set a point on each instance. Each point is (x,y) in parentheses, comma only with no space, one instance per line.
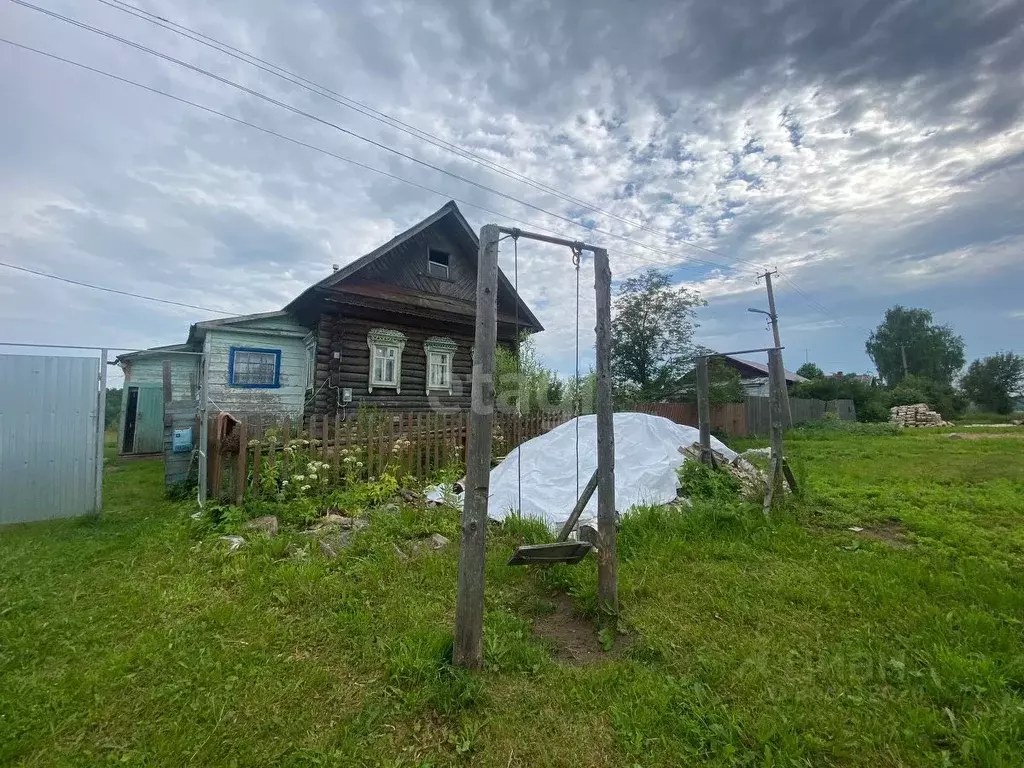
(870,150)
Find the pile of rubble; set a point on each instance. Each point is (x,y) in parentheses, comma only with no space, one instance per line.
(919,415)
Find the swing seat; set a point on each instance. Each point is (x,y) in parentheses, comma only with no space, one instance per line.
(569,552)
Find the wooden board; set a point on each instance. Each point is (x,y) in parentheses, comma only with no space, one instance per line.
(569,552)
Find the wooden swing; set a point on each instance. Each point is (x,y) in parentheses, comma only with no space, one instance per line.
(562,550)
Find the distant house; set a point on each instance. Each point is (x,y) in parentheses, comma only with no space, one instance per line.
(754,375)
(394,329)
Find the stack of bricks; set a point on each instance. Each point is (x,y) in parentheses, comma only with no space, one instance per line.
(919,415)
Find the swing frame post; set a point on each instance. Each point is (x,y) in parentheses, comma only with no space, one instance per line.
(468,650)
(469,608)
(607,554)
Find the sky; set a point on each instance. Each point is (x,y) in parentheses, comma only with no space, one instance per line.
(871,151)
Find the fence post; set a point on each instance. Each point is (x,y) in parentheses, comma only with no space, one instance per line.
(704,411)
(242,461)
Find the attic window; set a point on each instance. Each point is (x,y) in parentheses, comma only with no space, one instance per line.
(437,263)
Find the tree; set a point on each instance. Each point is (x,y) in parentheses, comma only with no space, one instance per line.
(991,383)
(526,380)
(810,371)
(652,335)
(871,402)
(932,351)
(113,408)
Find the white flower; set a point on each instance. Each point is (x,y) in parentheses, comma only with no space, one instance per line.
(284,482)
(304,488)
(359,463)
(312,475)
(298,478)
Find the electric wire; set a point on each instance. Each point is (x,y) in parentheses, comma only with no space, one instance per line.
(372,142)
(114,290)
(393,122)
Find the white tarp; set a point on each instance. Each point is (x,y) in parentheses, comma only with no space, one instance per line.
(646,459)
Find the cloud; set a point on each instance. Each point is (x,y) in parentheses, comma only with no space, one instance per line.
(870,150)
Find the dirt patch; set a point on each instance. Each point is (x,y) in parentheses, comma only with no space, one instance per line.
(985,435)
(572,638)
(889,532)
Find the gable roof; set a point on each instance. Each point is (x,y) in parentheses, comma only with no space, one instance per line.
(165,349)
(197,331)
(756,369)
(448,209)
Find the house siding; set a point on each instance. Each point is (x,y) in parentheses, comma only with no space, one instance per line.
(348,335)
(281,333)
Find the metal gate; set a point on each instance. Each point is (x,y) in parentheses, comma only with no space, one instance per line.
(51,436)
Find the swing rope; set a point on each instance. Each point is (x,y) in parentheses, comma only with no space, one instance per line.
(576,254)
(519,378)
(562,551)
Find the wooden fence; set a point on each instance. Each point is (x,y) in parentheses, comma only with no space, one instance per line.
(803,410)
(751,417)
(403,444)
(731,418)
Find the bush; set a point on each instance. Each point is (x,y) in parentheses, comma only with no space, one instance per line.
(870,400)
(699,481)
(938,396)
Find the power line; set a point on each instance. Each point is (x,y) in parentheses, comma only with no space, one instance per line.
(298,142)
(379,145)
(819,306)
(114,290)
(393,122)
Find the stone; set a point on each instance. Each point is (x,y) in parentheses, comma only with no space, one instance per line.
(234,543)
(342,521)
(587,532)
(955,436)
(400,554)
(266,524)
(436,541)
(331,546)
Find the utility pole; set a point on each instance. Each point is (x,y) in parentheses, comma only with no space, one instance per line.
(780,374)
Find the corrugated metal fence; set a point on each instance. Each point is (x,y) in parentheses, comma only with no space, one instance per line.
(49,416)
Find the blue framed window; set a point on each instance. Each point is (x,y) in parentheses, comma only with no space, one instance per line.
(254,368)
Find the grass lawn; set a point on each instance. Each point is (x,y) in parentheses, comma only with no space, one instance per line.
(138,639)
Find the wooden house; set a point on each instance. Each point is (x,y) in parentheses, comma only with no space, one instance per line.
(395,328)
(754,375)
(141,424)
(250,364)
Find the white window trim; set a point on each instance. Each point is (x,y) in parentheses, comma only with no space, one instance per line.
(310,344)
(383,338)
(440,345)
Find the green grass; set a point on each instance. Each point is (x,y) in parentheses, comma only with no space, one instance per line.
(136,639)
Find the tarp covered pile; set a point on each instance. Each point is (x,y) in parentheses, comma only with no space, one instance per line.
(647,455)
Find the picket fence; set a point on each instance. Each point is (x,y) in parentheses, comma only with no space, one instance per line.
(403,444)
